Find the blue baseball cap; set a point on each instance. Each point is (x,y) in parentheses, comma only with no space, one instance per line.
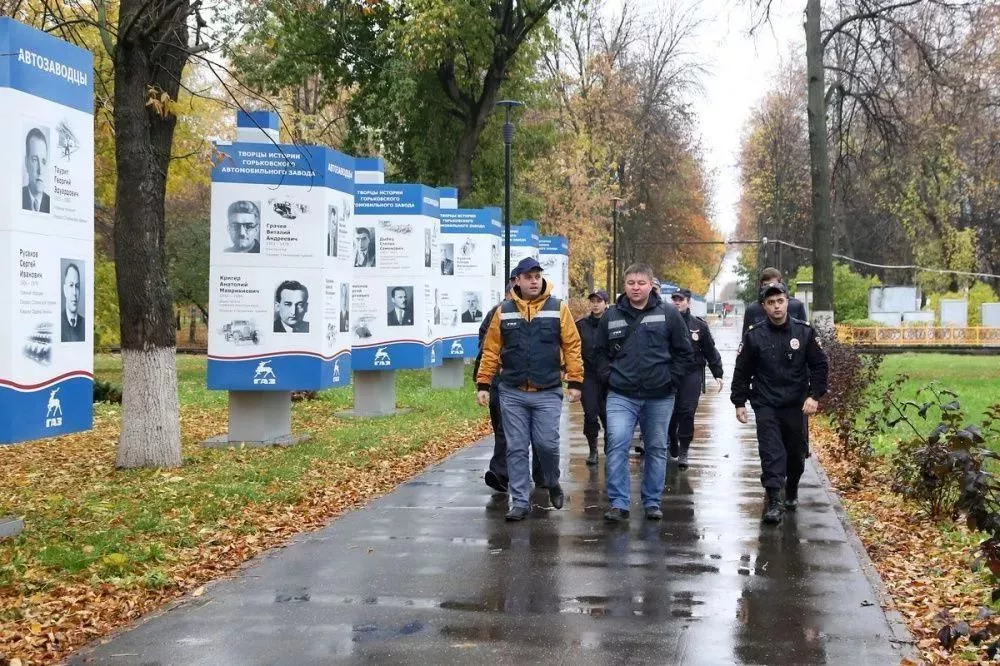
(603,295)
(525,265)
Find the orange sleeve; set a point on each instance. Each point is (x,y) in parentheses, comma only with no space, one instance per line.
(490,363)
(572,354)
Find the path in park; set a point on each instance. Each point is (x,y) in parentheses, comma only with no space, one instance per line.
(432,574)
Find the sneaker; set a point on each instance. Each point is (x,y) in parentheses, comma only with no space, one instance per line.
(495,482)
(654,513)
(517,513)
(556,496)
(616,515)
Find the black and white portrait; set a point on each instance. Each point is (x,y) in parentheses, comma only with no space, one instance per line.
(427,248)
(364,247)
(447,259)
(243,227)
(400,306)
(494,256)
(437,307)
(332,231)
(471,310)
(73,327)
(291,304)
(36,170)
(345,307)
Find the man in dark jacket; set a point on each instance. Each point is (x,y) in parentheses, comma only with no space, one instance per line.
(594,393)
(643,346)
(755,313)
(782,369)
(681,430)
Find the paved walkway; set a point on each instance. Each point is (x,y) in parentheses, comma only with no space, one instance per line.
(431,574)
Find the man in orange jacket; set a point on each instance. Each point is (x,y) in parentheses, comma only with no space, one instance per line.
(530,340)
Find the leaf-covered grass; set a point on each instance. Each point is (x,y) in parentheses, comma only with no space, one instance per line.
(976,380)
(134,538)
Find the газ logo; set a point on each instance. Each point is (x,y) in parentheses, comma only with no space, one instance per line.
(53,414)
(264,374)
(457,348)
(433,355)
(336,370)
(382,357)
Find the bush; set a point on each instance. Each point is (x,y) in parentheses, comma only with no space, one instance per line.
(852,383)
(863,323)
(850,290)
(978,294)
(107,392)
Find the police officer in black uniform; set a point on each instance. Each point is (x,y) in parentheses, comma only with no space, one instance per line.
(594,392)
(782,369)
(681,430)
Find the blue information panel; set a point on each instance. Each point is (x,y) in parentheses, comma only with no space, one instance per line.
(281,266)
(46,235)
(553,255)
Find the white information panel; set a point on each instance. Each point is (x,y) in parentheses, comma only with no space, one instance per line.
(523,242)
(46,235)
(470,283)
(280,277)
(553,255)
(396,260)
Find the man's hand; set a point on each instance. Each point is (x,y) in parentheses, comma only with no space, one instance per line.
(810,407)
(483,398)
(741,414)
(573,394)
(719,383)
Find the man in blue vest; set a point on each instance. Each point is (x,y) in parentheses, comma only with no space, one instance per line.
(531,338)
(643,349)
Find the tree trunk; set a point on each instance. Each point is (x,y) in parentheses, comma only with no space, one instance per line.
(819,163)
(477,117)
(150,431)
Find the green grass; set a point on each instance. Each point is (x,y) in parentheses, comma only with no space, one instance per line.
(976,380)
(87,520)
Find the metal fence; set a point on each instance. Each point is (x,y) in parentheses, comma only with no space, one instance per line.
(920,336)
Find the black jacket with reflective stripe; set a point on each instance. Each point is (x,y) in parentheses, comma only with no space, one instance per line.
(531,352)
(643,364)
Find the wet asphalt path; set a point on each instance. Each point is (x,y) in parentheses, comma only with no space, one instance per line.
(431,574)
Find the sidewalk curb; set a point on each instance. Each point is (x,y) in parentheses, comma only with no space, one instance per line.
(901,638)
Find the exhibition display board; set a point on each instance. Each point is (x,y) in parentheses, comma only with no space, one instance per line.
(523,242)
(46,236)
(553,255)
(396,262)
(281,266)
(470,282)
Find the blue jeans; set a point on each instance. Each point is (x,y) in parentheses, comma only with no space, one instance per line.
(653,417)
(530,418)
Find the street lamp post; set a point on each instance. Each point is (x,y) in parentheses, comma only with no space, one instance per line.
(614,244)
(508,140)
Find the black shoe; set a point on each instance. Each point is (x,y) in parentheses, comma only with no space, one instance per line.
(592,459)
(772,509)
(518,513)
(495,482)
(556,496)
(674,449)
(654,513)
(791,498)
(682,460)
(641,451)
(616,515)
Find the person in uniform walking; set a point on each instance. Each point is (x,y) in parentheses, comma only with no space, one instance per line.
(681,430)
(782,369)
(754,313)
(594,394)
(531,338)
(643,349)
(496,475)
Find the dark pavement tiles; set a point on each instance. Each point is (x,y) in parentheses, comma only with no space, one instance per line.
(432,574)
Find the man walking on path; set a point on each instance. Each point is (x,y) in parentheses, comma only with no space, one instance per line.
(782,369)
(643,349)
(594,393)
(754,313)
(681,430)
(496,476)
(530,339)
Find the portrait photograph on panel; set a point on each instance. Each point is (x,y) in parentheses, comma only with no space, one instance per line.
(364,247)
(427,248)
(400,306)
(243,227)
(345,307)
(291,305)
(472,310)
(36,170)
(332,231)
(447,259)
(73,328)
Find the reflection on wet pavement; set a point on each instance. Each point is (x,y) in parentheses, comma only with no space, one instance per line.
(432,574)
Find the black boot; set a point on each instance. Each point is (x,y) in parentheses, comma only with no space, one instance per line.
(673,448)
(682,455)
(772,508)
(592,443)
(791,497)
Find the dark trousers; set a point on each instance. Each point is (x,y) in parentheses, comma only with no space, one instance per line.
(498,463)
(681,430)
(781,442)
(595,408)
